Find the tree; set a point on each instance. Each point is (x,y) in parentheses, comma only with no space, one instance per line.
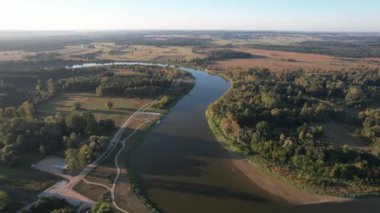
(101,207)
(26,110)
(76,122)
(8,156)
(51,87)
(91,123)
(51,205)
(269,99)
(72,141)
(99,91)
(376,147)
(72,160)
(105,126)
(76,106)
(64,210)
(85,153)
(4,201)
(109,105)
(354,94)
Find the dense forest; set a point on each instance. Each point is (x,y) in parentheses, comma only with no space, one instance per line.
(220,55)
(23,130)
(277,119)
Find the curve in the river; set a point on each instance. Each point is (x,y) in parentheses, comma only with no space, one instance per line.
(185,169)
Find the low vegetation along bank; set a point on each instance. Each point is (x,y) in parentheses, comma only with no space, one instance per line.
(276,121)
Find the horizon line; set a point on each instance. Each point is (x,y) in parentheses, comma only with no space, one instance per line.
(184,30)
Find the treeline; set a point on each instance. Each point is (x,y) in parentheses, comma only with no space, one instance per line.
(220,55)
(37,86)
(278,117)
(17,86)
(51,204)
(22,130)
(132,86)
(51,56)
(172,41)
(147,82)
(59,205)
(47,136)
(334,48)
(370,128)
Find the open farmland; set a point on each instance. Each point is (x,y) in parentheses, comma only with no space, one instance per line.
(14,55)
(89,102)
(282,61)
(111,51)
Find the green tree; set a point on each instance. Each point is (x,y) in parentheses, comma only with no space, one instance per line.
(51,87)
(76,122)
(91,123)
(26,110)
(4,201)
(109,105)
(105,126)
(72,160)
(354,94)
(8,156)
(101,207)
(85,153)
(76,106)
(72,141)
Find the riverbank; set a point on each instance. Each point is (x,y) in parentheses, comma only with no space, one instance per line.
(269,180)
(303,193)
(135,182)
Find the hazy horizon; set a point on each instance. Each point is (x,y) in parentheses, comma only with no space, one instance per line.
(238,15)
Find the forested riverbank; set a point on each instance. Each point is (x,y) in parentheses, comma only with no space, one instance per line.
(276,121)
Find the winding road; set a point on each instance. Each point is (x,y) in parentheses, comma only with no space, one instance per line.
(64,189)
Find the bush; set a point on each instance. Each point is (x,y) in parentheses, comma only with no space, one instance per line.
(4,201)
(101,207)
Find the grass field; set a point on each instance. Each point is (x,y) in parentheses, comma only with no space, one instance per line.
(24,183)
(279,40)
(110,51)
(14,55)
(274,60)
(62,103)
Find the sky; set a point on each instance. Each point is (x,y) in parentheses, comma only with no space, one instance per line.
(276,15)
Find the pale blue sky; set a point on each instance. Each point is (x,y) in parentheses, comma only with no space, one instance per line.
(298,15)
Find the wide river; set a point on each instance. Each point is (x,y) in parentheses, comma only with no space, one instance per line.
(185,169)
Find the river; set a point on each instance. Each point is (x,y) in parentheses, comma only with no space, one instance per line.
(185,169)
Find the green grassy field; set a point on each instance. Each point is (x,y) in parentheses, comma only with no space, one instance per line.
(62,103)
